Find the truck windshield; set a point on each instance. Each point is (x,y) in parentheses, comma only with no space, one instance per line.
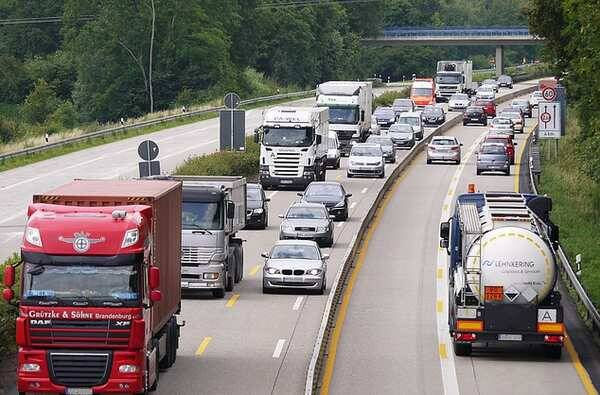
(288,137)
(343,115)
(202,216)
(448,79)
(80,285)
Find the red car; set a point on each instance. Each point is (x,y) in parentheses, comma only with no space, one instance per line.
(505,139)
(489,106)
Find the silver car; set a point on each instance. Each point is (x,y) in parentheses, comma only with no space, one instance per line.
(515,117)
(493,157)
(502,125)
(387,146)
(403,105)
(307,221)
(458,102)
(402,135)
(446,148)
(295,264)
(366,160)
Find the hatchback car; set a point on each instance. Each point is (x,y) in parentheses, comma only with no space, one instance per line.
(493,157)
(307,221)
(502,126)
(402,135)
(489,106)
(516,117)
(403,105)
(387,146)
(295,264)
(505,81)
(385,117)
(414,119)
(433,115)
(444,148)
(329,193)
(535,98)
(523,105)
(366,160)
(504,139)
(491,82)
(474,114)
(257,207)
(458,102)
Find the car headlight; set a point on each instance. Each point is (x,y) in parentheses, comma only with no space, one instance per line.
(287,228)
(131,237)
(314,272)
(32,235)
(257,211)
(322,228)
(272,270)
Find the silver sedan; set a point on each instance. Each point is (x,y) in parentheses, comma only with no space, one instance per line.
(307,221)
(295,264)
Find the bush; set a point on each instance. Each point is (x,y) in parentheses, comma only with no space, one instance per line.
(10,130)
(388,97)
(40,103)
(64,117)
(225,163)
(8,314)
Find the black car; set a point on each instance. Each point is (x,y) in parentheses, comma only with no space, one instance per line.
(331,194)
(505,81)
(433,115)
(475,114)
(257,208)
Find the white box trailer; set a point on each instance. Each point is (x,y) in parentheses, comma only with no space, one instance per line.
(453,76)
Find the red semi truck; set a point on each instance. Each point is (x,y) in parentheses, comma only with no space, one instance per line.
(100,287)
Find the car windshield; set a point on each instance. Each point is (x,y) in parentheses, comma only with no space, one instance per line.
(495,140)
(324,190)
(401,128)
(413,121)
(384,112)
(201,215)
(306,213)
(492,149)
(288,137)
(459,96)
(489,82)
(443,142)
(343,115)
(448,79)
(295,252)
(501,121)
(80,284)
(504,78)
(253,194)
(365,151)
(432,111)
(380,140)
(421,92)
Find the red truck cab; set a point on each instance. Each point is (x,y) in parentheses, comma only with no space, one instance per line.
(100,287)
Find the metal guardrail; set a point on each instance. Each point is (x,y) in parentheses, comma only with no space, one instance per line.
(589,313)
(317,361)
(120,129)
(520,32)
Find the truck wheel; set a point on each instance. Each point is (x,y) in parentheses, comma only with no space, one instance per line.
(219,293)
(171,355)
(552,352)
(337,164)
(462,349)
(239,258)
(229,280)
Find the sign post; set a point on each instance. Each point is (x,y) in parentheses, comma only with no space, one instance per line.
(148,151)
(232,124)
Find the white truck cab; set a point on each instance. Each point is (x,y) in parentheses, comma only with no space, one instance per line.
(294,145)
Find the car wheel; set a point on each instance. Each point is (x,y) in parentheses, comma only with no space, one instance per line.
(485,123)
(458,162)
(321,290)
(462,349)
(229,281)
(337,164)
(507,172)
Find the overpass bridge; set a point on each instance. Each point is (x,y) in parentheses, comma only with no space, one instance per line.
(498,36)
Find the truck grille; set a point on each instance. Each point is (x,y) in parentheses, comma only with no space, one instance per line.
(194,256)
(70,333)
(344,134)
(287,164)
(79,369)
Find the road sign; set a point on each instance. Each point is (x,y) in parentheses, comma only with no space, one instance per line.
(232,125)
(148,150)
(549,93)
(149,168)
(549,120)
(231,100)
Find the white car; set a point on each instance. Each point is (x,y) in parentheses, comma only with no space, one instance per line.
(492,83)
(485,92)
(414,119)
(535,98)
(366,160)
(333,150)
(502,126)
(458,102)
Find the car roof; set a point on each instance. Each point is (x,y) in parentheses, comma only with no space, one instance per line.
(410,114)
(324,183)
(296,242)
(307,204)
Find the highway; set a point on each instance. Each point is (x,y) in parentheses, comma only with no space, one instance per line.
(394,335)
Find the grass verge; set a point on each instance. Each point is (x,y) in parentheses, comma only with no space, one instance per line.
(8,315)
(576,207)
(93,142)
(387,98)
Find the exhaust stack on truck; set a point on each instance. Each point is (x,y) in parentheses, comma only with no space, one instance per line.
(100,287)
(502,272)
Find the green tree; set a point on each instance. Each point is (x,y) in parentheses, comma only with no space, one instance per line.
(40,103)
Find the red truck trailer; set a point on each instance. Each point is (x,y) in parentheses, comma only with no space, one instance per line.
(100,287)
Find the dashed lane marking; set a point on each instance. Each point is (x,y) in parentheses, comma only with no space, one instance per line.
(278,348)
(233,300)
(202,347)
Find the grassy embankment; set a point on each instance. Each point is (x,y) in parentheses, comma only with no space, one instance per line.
(576,207)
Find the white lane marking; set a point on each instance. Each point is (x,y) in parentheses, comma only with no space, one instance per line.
(340,224)
(352,205)
(364,190)
(272,194)
(278,348)
(5,220)
(298,302)
(446,354)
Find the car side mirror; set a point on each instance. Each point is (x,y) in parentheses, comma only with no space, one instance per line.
(281,216)
(267,199)
(300,194)
(264,255)
(348,195)
(325,257)
(461,144)
(230,210)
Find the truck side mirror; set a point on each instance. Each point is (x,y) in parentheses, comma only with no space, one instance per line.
(319,139)
(153,277)
(256,137)
(362,115)
(9,276)
(155,295)
(445,230)
(230,210)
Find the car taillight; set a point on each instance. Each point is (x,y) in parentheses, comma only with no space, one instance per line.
(455,148)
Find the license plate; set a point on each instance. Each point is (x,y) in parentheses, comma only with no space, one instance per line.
(305,235)
(474,119)
(510,338)
(197,285)
(288,279)
(78,391)
(286,181)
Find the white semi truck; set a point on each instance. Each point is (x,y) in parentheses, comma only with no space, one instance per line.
(453,76)
(502,272)
(294,144)
(350,106)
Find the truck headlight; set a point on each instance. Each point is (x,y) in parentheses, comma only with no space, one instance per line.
(272,270)
(314,272)
(210,276)
(32,235)
(131,237)
(128,368)
(30,367)
(218,257)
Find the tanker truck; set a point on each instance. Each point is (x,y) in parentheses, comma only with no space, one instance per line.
(502,272)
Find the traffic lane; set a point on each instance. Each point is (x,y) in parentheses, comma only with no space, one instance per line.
(515,369)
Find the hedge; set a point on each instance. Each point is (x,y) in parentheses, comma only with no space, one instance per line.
(8,314)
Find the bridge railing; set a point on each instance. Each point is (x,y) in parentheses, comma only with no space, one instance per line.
(457,32)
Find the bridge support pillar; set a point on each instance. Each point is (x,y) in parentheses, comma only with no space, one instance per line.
(499,60)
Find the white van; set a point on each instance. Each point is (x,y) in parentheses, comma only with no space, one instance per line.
(333,150)
(415,120)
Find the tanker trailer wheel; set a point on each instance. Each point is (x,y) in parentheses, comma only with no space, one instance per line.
(462,349)
(552,352)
